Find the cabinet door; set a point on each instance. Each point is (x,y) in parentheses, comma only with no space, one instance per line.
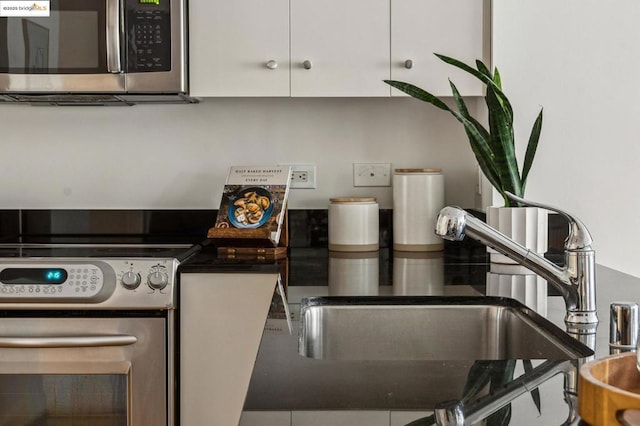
(222,319)
(420,28)
(346,43)
(231,44)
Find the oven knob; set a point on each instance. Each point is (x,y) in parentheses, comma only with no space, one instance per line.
(157,280)
(130,280)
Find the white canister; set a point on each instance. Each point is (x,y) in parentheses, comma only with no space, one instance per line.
(418,197)
(353,224)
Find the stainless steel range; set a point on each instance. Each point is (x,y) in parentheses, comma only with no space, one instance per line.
(87,333)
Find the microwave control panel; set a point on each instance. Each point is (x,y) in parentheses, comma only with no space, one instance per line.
(148,29)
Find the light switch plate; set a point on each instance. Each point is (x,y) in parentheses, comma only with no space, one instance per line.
(371,174)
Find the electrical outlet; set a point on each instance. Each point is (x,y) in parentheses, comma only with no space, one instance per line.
(303,176)
(299,176)
(371,174)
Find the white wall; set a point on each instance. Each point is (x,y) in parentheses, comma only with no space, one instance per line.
(177,156)
(579,59)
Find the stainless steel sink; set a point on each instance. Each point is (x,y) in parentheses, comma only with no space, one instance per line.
(429,328)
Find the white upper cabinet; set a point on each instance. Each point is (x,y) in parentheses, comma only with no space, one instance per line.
(239,48)
(331,48)
(420,28)
(339,47)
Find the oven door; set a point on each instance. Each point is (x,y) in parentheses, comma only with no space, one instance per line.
(74,46)
(83,371)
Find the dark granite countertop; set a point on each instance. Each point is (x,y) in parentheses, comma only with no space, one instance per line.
(285,382)
(208,262)
(286,386)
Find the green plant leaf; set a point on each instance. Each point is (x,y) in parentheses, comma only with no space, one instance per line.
(502,142)
(484,69)
(502,374)
(478,378)
(478,136)
(418,93)
(532,146)
(482,152)
(487,166)
(485,78)
(480,140)
(535,394)
(504,101)
(502,417)
(496,78)
(494,148)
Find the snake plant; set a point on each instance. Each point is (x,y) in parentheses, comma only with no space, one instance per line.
(494,148)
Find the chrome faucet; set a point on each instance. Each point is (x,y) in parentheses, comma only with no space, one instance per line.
(576,281)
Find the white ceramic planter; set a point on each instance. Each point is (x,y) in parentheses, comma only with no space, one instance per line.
(528,226)
(527,288)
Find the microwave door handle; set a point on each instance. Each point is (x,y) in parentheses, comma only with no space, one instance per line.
(66,341)
(113,36)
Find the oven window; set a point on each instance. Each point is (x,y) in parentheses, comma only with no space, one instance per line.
(56,400)
(71,40)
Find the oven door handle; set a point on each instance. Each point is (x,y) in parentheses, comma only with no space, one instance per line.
(66,341)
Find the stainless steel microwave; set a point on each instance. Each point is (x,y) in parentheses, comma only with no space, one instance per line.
(93,51)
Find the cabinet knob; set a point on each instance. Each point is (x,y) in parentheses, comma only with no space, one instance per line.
(408,64)
(272,65)
(307,64)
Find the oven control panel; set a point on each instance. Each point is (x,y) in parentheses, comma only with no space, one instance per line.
(152,275)
(115,283)
(82,280)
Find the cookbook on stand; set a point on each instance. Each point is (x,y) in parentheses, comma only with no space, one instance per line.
(252,218)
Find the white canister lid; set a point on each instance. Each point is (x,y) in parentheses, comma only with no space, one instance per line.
(418,171)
